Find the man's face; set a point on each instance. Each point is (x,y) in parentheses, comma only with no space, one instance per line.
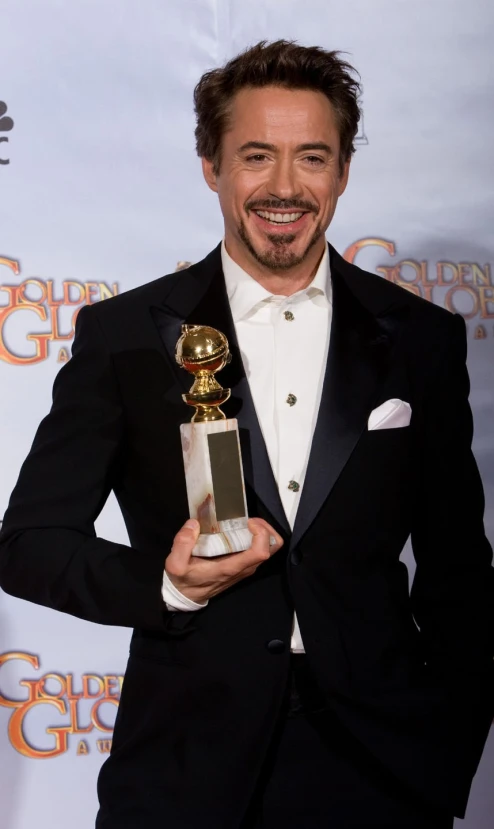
(280,179)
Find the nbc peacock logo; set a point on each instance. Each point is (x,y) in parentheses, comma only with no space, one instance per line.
(6,125)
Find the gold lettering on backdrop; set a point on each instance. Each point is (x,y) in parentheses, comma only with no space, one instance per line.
(465,288)
(10,263)
(60,696)
(459,292)
(447,273)
(470,292)
(46,301)
(82,748)
(486,298)
(481,277)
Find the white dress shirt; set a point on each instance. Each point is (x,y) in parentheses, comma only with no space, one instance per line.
(284,343)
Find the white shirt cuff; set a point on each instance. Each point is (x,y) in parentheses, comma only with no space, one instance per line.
(174,599)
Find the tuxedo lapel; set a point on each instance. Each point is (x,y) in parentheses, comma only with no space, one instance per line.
(359,352)
(362,336)
(198,296)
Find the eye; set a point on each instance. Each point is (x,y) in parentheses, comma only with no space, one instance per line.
(256,159)
(314,160)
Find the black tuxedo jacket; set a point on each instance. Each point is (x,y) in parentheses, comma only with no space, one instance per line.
(410,676)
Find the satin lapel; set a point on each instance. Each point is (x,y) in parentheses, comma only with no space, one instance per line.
(358,356)
(199,298)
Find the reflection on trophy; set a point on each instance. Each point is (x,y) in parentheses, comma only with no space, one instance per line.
(211,447)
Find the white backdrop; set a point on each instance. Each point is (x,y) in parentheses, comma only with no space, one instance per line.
(104,189)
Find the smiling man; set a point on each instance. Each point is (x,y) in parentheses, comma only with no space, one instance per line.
(279,172)
(297,684)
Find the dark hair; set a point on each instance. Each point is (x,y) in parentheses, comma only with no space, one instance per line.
(281,63)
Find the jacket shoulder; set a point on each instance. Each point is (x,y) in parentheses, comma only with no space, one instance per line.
(133,302)
(379,294)
(142,296)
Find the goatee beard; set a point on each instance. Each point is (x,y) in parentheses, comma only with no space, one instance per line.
(281,258)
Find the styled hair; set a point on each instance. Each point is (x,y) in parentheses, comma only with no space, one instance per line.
(281,63)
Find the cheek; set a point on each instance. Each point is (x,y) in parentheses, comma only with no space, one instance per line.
(249,186)
(324,190)
(227,201)
(233,195)
(328,201)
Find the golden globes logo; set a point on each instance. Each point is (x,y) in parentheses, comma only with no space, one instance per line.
(47,302)
(465,288)
(73,708)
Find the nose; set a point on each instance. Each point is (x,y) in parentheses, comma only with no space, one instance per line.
(282,182)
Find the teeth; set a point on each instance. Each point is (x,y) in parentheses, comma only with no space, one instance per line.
(279,218)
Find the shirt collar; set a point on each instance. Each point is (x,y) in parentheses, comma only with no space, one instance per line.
(245,293)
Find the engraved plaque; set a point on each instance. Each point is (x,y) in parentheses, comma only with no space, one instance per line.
(227,475)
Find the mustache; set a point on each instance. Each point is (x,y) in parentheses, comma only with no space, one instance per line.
(282,204)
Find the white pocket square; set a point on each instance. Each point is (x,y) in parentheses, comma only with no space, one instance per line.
(393,414)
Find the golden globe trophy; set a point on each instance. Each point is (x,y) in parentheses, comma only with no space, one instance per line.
(211,447)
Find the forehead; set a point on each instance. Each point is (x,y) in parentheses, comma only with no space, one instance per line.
(276,112)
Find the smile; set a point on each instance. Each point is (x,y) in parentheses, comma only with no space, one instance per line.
(277,219)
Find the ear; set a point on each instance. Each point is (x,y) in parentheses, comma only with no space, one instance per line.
(209,174)
(344,178)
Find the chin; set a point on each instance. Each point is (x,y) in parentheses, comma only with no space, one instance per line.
(279,258)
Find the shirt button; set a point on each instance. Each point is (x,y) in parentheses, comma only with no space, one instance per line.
(291,400)
(288,316)
(294,486)
(276,646)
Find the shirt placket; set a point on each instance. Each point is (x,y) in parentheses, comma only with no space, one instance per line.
(289,460)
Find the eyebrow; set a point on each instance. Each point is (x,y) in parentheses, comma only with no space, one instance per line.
(260,145)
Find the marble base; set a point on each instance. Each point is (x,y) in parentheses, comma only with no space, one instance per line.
(215,486)
(219,544)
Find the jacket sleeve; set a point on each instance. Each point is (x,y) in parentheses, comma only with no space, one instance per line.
(49,552)
(453,590)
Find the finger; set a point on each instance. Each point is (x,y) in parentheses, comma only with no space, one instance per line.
(260,550)
(184,542)
(257,526)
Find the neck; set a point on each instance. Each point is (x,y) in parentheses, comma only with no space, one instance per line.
(283,283)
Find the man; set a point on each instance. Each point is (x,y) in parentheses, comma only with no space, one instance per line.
(297,684)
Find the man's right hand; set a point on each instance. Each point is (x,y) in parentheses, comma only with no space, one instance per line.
(199,579)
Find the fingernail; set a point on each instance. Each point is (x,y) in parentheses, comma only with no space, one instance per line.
(192,523)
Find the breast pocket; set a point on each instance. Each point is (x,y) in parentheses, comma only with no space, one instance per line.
(384,472)
(387,447)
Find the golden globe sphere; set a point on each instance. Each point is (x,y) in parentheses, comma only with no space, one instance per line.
(202,351)
(201,348)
